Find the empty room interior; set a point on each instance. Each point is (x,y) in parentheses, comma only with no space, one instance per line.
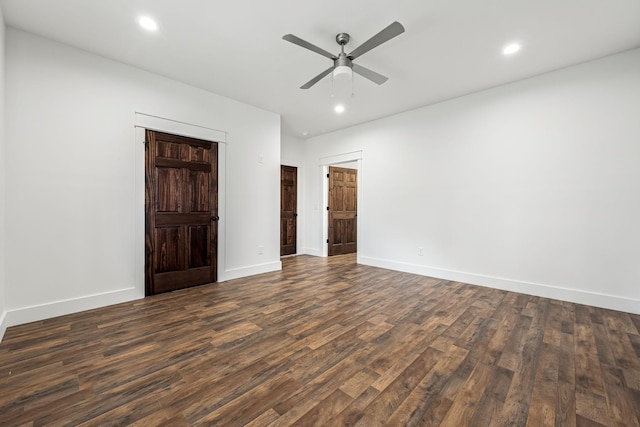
(320,213)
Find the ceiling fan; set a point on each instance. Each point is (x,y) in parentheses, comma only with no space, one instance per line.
(343,63)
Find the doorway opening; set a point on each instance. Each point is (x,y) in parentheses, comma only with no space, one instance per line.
(353,160)
(342,210)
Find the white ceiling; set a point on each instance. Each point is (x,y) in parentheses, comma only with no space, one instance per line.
(235,48)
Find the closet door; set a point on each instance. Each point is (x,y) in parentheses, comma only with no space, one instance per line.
(288,209)
(181,195)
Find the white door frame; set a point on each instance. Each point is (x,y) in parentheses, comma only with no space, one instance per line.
(325,162)
(145,121)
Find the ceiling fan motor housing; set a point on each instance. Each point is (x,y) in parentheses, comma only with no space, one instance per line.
(342,61)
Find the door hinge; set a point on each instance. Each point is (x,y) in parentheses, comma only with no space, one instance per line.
(327,175)
(146,143)
(327,207)
(327,240)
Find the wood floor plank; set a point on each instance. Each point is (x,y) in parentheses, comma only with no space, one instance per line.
(587,364)
(489,406)
(479,385)
(416,408)
(516,407)
(355,410)
(250,404)
(326,409)
(592,407)
(326,342)
(544,398)
(394,393)
(357,384)
(621,411)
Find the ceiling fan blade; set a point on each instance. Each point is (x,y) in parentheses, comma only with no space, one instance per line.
(297,40)
(387,34)
(369,74)
(317,78)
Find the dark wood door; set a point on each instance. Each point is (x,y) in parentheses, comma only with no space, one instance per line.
(181,197)
(343,210)
(288,209)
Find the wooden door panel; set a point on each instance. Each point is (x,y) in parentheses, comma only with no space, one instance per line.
(337,199)
(173,280)
(289,231)
(199,239)
(288,202)
(168,150)
(288,209)
(350,236)
(199,154)
(181,212)
(350,199)
(343,205)
(168,253)
(169,190)
(198,191)
(338,232)
(176,219)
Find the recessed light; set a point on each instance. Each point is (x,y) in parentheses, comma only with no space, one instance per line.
(305,133)
(147,23)
(339,108)
(511,49)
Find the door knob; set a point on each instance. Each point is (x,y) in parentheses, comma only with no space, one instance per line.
(215,218)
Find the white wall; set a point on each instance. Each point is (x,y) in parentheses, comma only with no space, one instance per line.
(293,149)
(74,197)
(293,153)
(532,186)
(3,304)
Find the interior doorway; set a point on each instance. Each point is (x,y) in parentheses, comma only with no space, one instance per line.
(351,160)
(288,210)
(181,212)
(343,211)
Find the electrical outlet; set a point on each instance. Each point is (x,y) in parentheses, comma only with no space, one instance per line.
(260,250)
(420,251)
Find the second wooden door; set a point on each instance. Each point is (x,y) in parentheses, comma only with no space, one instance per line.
(288,209)
(343,210)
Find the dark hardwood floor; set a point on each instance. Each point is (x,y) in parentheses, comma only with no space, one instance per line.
(326,342)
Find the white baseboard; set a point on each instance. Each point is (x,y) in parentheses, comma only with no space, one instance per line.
(252,270)
(35,313)
(312,251)
(3,324)
(612,302)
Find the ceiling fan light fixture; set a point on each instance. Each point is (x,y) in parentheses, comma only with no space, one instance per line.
(342,71)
